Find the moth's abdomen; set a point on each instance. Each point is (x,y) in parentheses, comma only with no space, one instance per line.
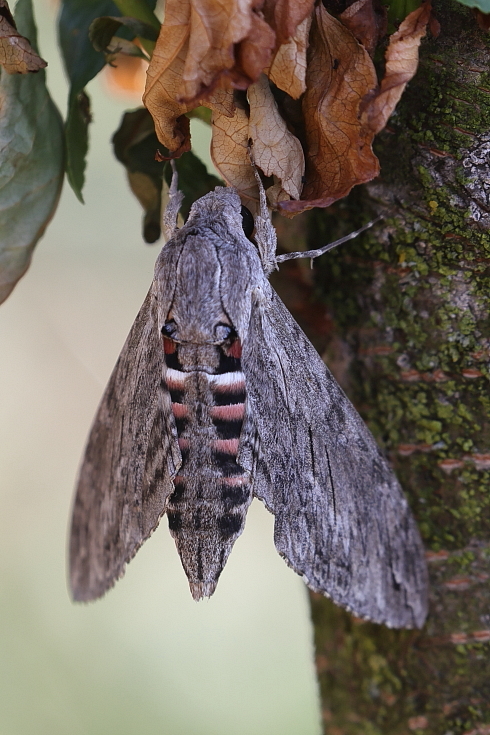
(206,512)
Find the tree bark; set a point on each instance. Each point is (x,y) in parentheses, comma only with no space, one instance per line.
(408,328)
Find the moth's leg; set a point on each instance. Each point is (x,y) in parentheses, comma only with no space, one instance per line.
(174,203)
(265,234)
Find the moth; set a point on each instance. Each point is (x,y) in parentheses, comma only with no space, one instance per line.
(219,397)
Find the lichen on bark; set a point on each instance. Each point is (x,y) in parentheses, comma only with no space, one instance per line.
(409,305)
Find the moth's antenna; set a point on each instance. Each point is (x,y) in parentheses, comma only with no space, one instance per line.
(174,203)
(331,245)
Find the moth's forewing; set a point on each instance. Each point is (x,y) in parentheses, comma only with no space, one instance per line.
(131,456)
(342,521)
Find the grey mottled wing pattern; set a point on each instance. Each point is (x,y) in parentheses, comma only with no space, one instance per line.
(341,519)
(130,459)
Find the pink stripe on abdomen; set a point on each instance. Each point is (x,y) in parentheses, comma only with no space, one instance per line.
(180,410)
(235,481)
(232,412)
(227,446)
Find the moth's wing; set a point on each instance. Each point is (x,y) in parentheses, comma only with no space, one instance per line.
(341,519)
(131,456)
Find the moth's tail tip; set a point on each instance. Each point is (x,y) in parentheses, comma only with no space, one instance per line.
(200,590)
(84,595)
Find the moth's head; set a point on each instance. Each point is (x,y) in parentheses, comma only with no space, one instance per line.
(221,204)
(222,210)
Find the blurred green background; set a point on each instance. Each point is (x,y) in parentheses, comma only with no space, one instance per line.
(146,658)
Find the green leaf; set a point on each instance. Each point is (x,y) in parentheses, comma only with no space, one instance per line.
(201,113)
(82,64)
(103,30)
(31,161)
(141,9)
(122,46)
(82,61)
(483,5)
(194,179)
(76,139)
(398,11)
(135,144)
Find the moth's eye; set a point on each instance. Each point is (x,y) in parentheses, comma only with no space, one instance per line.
(224,332)
(248,223)
(169,329)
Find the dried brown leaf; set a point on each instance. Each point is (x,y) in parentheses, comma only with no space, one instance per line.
(254,53)
(276,194)
(220,44)
(434,25)
(367,21)
(16,53)
(284,16)
(171,124)
(204,48)
(229,151)
(164,83)
(340,74)
(288,68)
(483,19)
(221,101)
(215,28)
(164,79)
(402,58)
(276,151)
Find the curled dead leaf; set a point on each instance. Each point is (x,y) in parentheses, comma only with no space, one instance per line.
(171,123)
(207,48)
(253,53)
(277,152)
(219,44)
(483,19)
(16,53)
(204,49)
(288,68)
(367,21)
(229,151)
(214,29)
(164,80)
(338,149)
(402,58)
(284,16)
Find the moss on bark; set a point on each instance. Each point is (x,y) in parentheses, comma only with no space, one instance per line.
(410,305)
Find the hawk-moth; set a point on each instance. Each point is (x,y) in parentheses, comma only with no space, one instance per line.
(217,397)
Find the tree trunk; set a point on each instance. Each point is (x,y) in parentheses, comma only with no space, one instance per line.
(411,346)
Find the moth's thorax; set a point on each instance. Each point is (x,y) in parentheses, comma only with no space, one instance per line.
(196,305)
(207,510)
